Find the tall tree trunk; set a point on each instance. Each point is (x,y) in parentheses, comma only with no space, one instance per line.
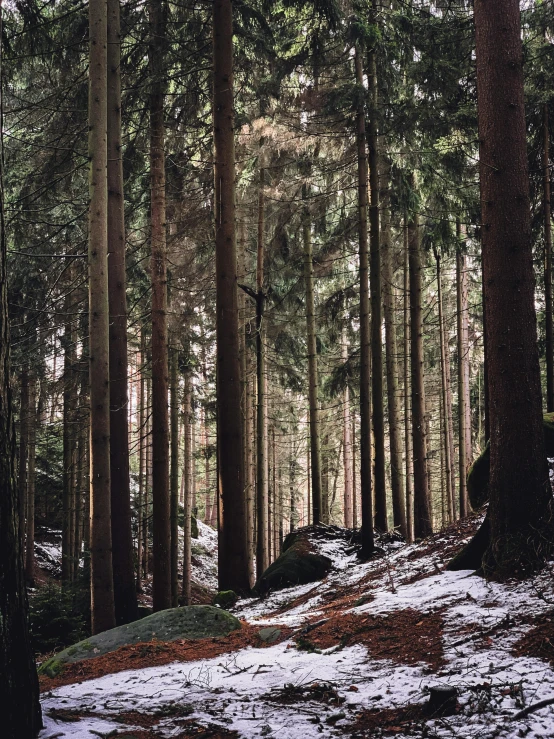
(365,328)
(354,489)
(147,479)
(102,595)
(407,408)
(161,585)
(463,362)
(520,493)
(31,484)
(422,500)
(19,691)
(23,447)
(187,418)
(232,553)
(141,471)
(347,445)
(69,404)
(380,490)
(122,545)
(262,491)
(446,425)
(549,347)
(174,475)
(398,500)
(313,381)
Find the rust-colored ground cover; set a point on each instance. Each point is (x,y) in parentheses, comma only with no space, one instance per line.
(539,641)
(157,653)
(405,637)
(388,721)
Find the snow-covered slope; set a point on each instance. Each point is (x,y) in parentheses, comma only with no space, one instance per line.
(361,651)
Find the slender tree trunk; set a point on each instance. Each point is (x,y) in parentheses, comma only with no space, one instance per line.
(398,500)
(422,501)
(292,470)
(141,475)
(313,381)
(187,566)
(262,491)
(174,475)
(520,493)
(147,479)
(19,691)
(448,461)
(122,554)
(365,328)
(354,488)
(380,491)
(549,344)
(347,445)
(463,361)
(69,403)
(31,484)
(233,553)
(23,447)
(161,586)
(102,596)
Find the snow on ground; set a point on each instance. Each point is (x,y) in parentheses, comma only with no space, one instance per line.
(246,691)
(48,551)
(204,556)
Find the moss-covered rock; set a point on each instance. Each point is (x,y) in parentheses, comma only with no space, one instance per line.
(193,527)
(190,622)
(298,564)
(478,475)
(225,599)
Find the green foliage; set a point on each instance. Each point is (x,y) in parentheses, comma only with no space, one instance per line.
(56,618)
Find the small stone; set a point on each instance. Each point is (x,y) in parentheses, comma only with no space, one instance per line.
(269,635)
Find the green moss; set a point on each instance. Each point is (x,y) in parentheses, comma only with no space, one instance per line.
(52,667)
(225,599)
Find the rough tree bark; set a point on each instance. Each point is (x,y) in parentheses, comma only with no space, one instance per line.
(187,507)
(233,551)
(174,474)
(122,545)
(519,488)
(102,595)
(463,366)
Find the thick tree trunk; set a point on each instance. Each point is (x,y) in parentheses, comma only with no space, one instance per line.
(102,596)
(187,418)
(174,475)
(463,386)
(520,494)
(233,552)
(398,500)
(141,471)
(313,380)
(69,417)
(161,585)
(365,328)
(422,501)
(380,490)
(122,554)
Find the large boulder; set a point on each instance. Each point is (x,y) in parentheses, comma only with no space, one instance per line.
(189,622)
(478,475)
(299,563)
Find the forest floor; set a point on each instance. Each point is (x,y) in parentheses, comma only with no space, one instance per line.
(354,655)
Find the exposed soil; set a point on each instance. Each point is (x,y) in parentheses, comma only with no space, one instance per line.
(320,692)
(388,721)
(406,637)
(157,653)
(539,641)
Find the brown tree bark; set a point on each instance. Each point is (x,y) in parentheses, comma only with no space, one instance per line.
(161,525)
(313,379)
(463,365)
(347,445)
(122,545)
(187,419)
(365,327)
(102,596)
(23,446)
(422,502)
(398,499)
(520,494)
(549,321)
(69,439)
(378,418)
(31,485)
(19,691)
(174,474)
(141,472)
(233,551)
